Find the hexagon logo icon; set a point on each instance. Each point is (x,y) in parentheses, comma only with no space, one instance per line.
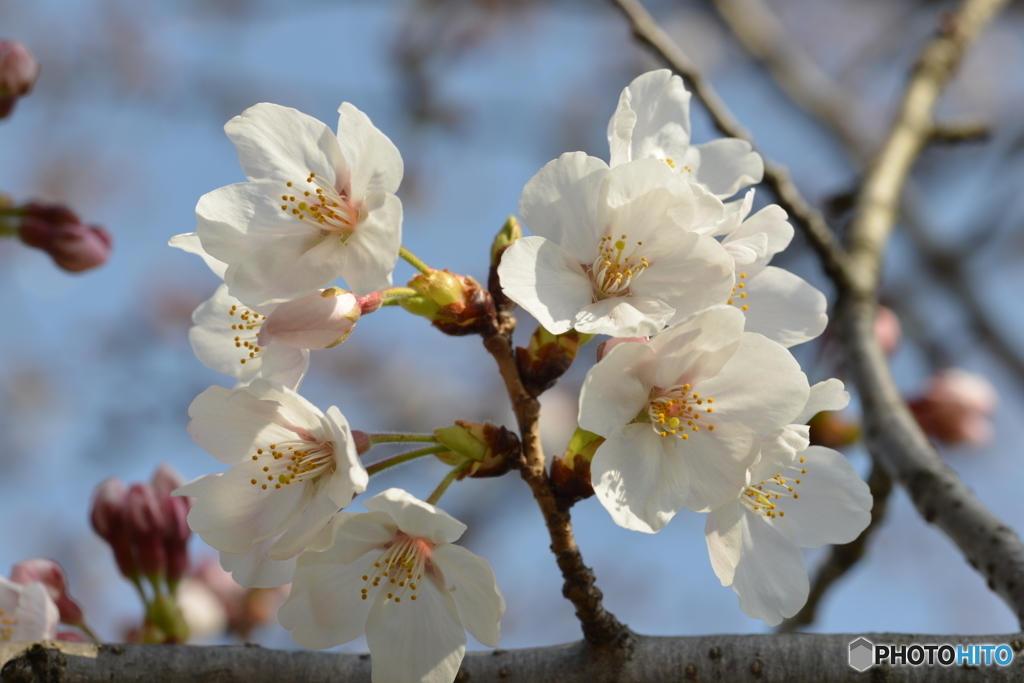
(862,654)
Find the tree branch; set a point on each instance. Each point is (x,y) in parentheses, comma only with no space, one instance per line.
(600,627)
(805,216)
(790,658)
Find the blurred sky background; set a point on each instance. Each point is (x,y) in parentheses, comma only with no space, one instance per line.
(125,125)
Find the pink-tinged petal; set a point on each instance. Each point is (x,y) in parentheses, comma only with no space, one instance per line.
(373,158)
(278,144)
(698,347)
(349,478)
(695,276)
(36,615)
(623,316)
(770,222)
(373,248)
(617,388)
(547,281)
(723,532)
(717,462)
(231,513)
(308,525)
(725,165)
(827,395)
(640,478)
(255,569)
(189,242)
(834,504)
(419,641)
(349,536)
(560,203)
(227,429)
(783,307)
(325,607)
(770,578)
(415,517)
(474,589)
(289,267)
(662,106)
(761,387)
(315,321)
(620,130)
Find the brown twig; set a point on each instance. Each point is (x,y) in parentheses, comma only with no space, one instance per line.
(600,627)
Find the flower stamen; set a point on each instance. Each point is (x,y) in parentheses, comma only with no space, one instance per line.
(613,269)
(678,410)
(322,206)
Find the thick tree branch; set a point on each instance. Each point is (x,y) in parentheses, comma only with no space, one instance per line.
(600,627)
(806,217)
(790,658)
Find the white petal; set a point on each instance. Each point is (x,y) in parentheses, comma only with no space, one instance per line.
(622,316)
(190,243)
(770,578)
(695,276)
(213,339)
(308,525)
(723,533)
(717,462)
(734,214)
(349,478)
(474,589)
(827,395)
(255,569)
(547,281)
(662,106)
(226,427)
(725,165)
(560,203)
(760,387)
(639,477)
(350,536)
(620,130)
(285,365)
(834,504)
(280,144)
(770,222)
(615,389)
(325,607)
(282,406)
(783,307)
(418,640)
(373,249)
(779,448)
(36,616)
(415,517)
(698,347)
(747,250)
(290,267)
(373,158)
(237,220)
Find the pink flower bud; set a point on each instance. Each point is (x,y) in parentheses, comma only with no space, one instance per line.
(956,408)
(176,535)
(18,69)
(51,575)
(887,330)
(146,524)
(108,520)
(318,321)
(166,479)
(58,231)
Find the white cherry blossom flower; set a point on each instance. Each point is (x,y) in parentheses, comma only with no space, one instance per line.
(27,613)
(394,573)
(614,250)
(683,414)
(317,206)
(778,304)
(292,469)
(754,541)
(652,120)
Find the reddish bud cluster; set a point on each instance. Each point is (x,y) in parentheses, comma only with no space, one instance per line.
(56,229)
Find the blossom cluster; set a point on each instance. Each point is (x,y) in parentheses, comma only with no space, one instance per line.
(696,402)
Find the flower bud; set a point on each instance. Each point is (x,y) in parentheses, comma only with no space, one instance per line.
(319,321)
(456,304)
(887,330)
(18,73)
(570,474)
(547,358)
(145,524)
(51,575)
(491,449)
(165,479)
(59,232)
(107,517)
(957,407)
(509,233)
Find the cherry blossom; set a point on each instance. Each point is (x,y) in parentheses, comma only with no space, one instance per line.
(292,468)
(394,574)
(27,613)
(683,416)
(652,120)
(317,206)
(614,250)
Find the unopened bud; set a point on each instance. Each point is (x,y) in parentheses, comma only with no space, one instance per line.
(146,524)
(832,430)
(570,474)
(108,519)
(362,441)
(18,73)
(490,448)
(957,408)
(51,575)
(59,232)
(319,321)
(509,233)
(887,330)
(547,358)
(455,304)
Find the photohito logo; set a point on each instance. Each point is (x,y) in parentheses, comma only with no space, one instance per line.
(864,654)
